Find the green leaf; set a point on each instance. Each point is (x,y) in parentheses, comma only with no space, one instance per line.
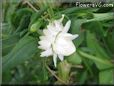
(7,76)
(92,27)
(75,58)
(39,69)
(93,43)
(23,50)
(9,9)
(101,63)
(24,22)
(100,53)
(106,77)
(110,40)
(36,16)
(44,74)
(76,28)
(76,25)
(9,43)
(74,10)
(83,77)
(78,41)
(17,16)
(102,16)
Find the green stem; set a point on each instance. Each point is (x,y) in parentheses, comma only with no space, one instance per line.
(53,73)
(88,67)
(50,12)
(106,62)
(63,71)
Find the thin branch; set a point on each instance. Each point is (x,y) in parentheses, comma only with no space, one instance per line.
(52,72)
(44,18)
(25,1)
(112,61)
(77,66)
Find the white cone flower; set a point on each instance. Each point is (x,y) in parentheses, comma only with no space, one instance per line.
(56,41)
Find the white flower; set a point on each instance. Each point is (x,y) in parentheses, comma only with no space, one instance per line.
(56,41)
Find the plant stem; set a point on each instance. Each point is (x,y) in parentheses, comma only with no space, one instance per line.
(52,72)
(94,58)
(25,1)
(77,66)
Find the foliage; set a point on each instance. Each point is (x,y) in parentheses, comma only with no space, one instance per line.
(23,22)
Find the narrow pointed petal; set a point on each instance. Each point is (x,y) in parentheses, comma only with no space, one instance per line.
(46,32)
(46,53)
(69,36)
(58,26)
(42,37)
(74,36)
(51,27)
(61,57)
(55,59)
(62,18)
(67,27)
(40,47)
(43,47)
(44,43)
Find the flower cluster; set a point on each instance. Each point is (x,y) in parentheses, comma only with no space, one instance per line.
(56,41)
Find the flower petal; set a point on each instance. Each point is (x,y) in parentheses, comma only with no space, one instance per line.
(55,59)
(68,36)
(42,37)
(44,44)
(58,26)
(61,19)
(67,26)
(46,32)
(56,41)
(46,53)
(61,57)
(64,47)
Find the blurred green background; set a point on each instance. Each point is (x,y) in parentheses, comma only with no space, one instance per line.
(23,22)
